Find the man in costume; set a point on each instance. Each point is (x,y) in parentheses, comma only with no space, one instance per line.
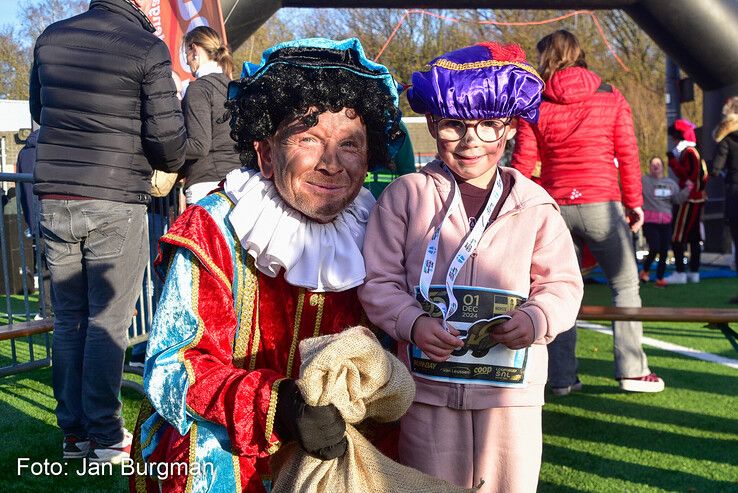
(688,166)
(271,259)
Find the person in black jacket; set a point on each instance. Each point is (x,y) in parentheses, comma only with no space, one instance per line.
(211,152)
(29,205)
(725,163)
(102,90)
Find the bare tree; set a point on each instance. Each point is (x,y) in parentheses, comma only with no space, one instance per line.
(14,66)
(35,16)
(274,31)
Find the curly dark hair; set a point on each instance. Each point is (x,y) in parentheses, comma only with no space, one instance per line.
(286,92)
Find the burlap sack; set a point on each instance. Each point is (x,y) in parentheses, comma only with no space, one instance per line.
(353,372)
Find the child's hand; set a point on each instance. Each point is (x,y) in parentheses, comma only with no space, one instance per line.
(430,336)
(516,333)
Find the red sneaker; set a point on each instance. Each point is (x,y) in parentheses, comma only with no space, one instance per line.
(646,383)
(661,283)
(643,276)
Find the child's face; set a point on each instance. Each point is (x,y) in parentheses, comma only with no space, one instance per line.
(471,158)
(656,167)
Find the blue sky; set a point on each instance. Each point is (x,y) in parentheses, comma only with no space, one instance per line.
(8,10)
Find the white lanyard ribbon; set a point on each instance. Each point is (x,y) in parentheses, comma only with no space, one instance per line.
(463,254)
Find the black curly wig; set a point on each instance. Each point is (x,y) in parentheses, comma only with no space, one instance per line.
(287,92)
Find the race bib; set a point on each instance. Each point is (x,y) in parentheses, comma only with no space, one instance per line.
(662,192)
(479,361)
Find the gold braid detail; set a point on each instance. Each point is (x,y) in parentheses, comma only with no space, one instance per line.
(200,326)
(246,297)
(271,414)
(145,411)
(317,299)
(257,328)
(296,331)
(447,64)
(192,457)
(236,473)
(201,256)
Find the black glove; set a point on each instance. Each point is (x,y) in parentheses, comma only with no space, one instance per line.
(320,430)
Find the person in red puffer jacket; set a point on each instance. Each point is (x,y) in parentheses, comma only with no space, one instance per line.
(585,142)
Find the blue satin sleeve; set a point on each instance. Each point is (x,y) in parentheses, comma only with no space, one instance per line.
(173,331)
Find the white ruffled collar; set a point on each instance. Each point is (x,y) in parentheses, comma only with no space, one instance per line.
(319,257)
(679,148)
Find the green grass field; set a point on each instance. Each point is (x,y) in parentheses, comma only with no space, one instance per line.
(684,439)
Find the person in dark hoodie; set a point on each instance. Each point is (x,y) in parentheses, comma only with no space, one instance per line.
(102,90)
(211,151)
(29,205)
(588,151)
(25,164)
(725,163)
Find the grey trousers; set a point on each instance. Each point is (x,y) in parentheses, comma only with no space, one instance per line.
(602,228)
(96,251)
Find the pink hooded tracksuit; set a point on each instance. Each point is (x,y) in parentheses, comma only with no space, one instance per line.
(526,249)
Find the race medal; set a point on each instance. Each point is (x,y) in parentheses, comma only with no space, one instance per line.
(480,361)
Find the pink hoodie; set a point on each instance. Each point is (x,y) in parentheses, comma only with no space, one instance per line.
(527,249)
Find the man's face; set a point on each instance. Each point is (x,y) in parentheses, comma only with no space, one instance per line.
(317,170)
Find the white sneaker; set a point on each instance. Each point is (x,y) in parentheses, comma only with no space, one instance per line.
(112,453)
(646,383)
(693,276)
(677,278)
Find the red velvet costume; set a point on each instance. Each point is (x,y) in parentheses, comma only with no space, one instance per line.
(244,342)
(689,166)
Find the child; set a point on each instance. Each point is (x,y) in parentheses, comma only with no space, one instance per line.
(456,245)
(659,194)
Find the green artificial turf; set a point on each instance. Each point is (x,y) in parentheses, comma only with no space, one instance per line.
(710,293)
(684,439)
(28,430)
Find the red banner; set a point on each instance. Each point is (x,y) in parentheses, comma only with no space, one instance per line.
(173,18)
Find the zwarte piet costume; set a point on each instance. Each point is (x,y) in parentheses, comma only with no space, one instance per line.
(247,278)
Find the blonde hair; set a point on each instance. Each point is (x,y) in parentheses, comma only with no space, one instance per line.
(559,50)
(209,40)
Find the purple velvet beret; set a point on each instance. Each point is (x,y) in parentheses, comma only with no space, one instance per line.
(484,81)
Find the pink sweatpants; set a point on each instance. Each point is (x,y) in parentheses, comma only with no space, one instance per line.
(501,446)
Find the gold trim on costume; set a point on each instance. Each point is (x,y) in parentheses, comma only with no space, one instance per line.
(144,413)
(200,327)
(273,446)
(296,330)
(236,473)
(317,299)
(246,297)
(447,64)
(257,327)
(192,458)
(195,248)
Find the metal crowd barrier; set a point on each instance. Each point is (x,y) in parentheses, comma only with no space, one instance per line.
(23,274)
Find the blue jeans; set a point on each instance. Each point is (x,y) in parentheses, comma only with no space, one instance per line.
(601,226)
(96,251)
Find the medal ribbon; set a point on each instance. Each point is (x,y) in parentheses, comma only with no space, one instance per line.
(463,254)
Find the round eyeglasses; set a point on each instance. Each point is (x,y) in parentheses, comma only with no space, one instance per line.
(453,130)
